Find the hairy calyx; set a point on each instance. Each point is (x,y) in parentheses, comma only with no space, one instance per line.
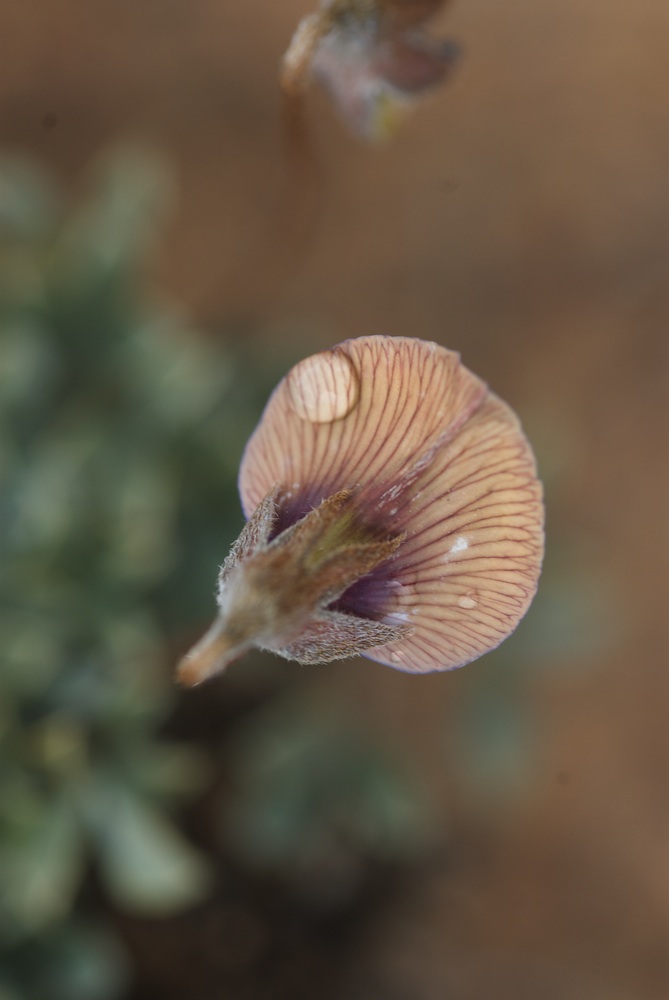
(276,593)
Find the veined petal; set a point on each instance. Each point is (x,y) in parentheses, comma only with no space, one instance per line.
(432,454)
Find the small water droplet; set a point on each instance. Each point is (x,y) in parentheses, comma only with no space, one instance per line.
(460,544)
(396,618)
(323,388)
(467,602)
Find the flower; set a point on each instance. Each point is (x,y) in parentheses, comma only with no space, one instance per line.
(374,57)
(393,510)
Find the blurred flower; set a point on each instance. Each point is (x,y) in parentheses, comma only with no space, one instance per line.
(373,56)
(394,511)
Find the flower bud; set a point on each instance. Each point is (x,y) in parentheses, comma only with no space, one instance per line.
(394,510)
(374,57)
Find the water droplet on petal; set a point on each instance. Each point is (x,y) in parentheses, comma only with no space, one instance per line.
(459,545)
(467,602)
(323,388)
(396,618)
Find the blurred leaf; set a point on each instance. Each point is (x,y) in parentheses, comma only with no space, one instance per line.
(143,501)
(40,873)
(171,770)
(307,785)
(31,646)
(112,492)
(26,362)
(28,200)
(181,376)
(75,962)
(89,965)
(53,491)
(131,193)
(146,864)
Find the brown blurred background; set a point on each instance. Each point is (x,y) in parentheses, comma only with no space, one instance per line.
(520,216)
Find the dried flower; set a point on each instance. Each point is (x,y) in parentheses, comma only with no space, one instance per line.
(374,57)
(394,510)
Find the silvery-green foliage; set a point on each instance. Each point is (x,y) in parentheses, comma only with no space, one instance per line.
(111,411)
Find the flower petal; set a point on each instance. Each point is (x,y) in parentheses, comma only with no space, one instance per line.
(411,64)
(431,453)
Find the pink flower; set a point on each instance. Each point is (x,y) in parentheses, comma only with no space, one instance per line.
(394,510)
